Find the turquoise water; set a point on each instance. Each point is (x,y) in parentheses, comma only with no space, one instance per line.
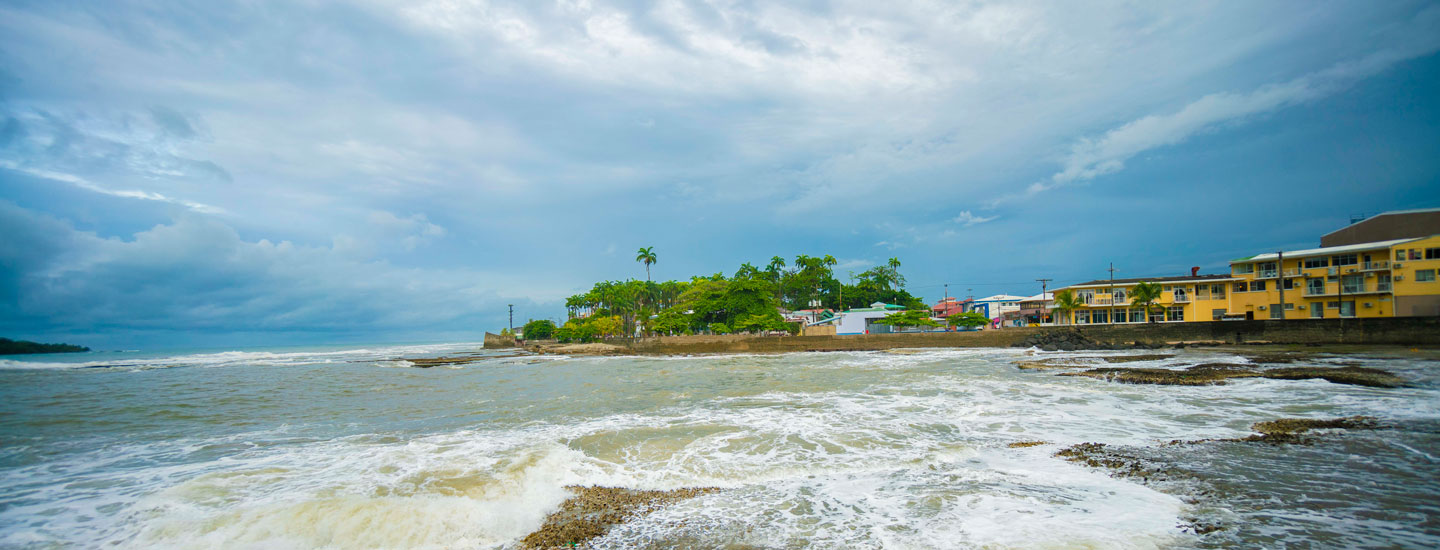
(353,448)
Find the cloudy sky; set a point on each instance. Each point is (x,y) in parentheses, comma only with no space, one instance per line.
(209,173)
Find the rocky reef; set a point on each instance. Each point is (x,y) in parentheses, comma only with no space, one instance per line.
(1217,373)
(1073,340)
(594,510)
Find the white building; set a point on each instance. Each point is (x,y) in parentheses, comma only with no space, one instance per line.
(862,320)
(997,305)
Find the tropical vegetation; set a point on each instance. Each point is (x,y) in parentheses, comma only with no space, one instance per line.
(745,301)
(1144,296)
(969,319)
(1066,302)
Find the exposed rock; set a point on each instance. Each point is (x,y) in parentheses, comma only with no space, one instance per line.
(594,510)
(1134,358)
(1024,444)
(1073,340)
(578,349)
(1052,363)
(1218,373)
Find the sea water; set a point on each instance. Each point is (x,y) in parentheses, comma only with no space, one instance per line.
(357,448)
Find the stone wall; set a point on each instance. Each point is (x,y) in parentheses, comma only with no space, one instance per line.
(1410,331)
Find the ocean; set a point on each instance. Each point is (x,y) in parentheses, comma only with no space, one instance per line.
(355,448)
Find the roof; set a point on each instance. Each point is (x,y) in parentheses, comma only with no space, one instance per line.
(1383,214)
(1039,297)
(1163,280)
(1000,298)
(1327,251)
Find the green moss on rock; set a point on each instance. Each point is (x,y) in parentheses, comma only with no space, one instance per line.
(594,510)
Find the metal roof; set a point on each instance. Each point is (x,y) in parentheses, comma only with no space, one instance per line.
(1162,280)
(1327,251)
(1390,213)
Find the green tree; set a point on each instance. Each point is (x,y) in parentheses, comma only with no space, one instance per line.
(1066,302)
(1144,295)
(539,329)
(968,319)
(647,256)
(908,318)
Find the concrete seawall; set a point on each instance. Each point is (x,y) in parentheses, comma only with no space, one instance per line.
(1410,331)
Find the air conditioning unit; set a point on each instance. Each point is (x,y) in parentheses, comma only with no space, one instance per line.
(1302,308)
(1370,274)
(1399,277)
(1351,270)
(1368,304)
(1399,265)
(1262,308)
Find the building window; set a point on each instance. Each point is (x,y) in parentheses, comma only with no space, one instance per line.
(1399,254)
(1315,263)
(1240,286)
(1242,269)
(1432,253)
(1257,286)
(1414,253)
(1137,316)
(1082,317)
(1175,313)
(1099,316)
(1382,282)
(1217,292)
(1275,311)
(1315,287)
(1289,284)
(1317,310)
(1118,295)
(1345,259)
(1086,296)
(1424,275)
(1217,314)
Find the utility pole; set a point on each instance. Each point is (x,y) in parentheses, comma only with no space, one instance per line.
(1112,295)
(1280,280)
(512,318)
(1043,283)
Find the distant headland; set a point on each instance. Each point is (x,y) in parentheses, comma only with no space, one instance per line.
(19,347)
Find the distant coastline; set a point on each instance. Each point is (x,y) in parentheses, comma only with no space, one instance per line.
(22,347)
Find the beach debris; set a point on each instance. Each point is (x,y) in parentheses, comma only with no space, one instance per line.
(1217,373)
(594,510)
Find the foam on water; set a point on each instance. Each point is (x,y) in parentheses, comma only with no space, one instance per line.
(859,450)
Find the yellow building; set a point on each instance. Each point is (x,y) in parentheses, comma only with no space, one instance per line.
(1376,279)
(1193,298)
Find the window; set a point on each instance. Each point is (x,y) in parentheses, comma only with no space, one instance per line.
(1086,296)
(1119,295)
(1315,286)
(1267,269)
(1240,286)
(1289,284)
(1243,268)
(1382,283)
(1137,316)
(1332,305)
(1217,291)
(1317,310)
(1345,259)
(1399,254)
(1315,263)
(1353,284)
(1257,286)
(1424,275)
(1275,311)
(1217,314)
(1432,253)
(1289,305)
(1099,316)
(1175,313)
(1347,308)
(1082,317)
(1414,253)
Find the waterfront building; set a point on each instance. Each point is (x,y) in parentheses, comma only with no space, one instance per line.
(1388,226)
(1189,298)
(995,306)
(1034,310)
(949,306)
(862,320)
(1376,279)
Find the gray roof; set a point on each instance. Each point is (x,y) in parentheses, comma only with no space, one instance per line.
(1327,251)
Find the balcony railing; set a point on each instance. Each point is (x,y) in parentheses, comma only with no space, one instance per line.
(1382,287)
(1375,266)
(1353,288)
(1268,274)
(1182,298)
(1316,291)
(1292,272)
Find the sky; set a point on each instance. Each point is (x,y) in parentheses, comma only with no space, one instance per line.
(299,172)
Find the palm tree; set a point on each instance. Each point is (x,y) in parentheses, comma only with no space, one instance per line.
(647,256)
(1144,296)
(1066,302)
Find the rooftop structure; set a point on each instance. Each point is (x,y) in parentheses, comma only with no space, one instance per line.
(1395,224)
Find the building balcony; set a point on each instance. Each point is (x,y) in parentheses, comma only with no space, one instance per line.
(1347,290)
(1182,299)
(1375,266)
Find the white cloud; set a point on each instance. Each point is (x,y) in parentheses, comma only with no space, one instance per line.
(967,219)
(1090,158)
(87,185)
